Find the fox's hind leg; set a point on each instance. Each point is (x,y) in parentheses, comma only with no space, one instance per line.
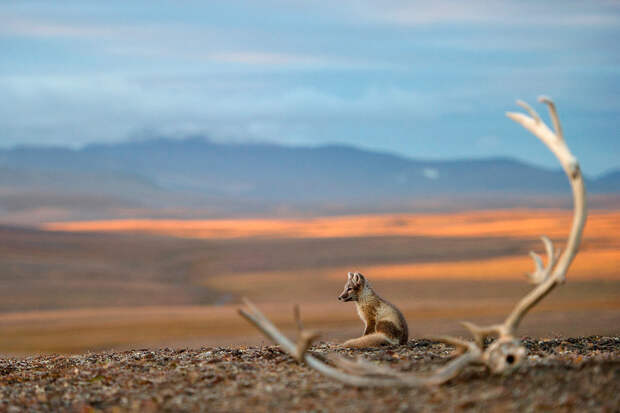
(369,340)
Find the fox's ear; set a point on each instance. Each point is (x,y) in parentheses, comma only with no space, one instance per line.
(349,276)
(358,278)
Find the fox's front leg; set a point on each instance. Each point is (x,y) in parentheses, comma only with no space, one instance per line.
(370,328)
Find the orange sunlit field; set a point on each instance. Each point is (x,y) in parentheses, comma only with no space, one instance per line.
(502,223)
(600,256)
(76,286)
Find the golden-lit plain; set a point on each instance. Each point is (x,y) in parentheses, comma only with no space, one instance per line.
(500,223)
(76,286)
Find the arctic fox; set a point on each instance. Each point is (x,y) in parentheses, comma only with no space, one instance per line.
(385,324)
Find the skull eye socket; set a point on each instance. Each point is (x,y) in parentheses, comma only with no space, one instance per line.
(510,359)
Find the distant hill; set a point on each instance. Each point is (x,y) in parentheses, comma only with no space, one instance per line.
(607,183)
(258,178)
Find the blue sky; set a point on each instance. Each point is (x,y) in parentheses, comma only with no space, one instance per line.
(422,79)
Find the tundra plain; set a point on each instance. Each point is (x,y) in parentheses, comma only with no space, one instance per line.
(72,287)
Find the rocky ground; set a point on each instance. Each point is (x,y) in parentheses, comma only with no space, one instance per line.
(573,374)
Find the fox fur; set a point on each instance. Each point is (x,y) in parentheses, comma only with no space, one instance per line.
(384,324)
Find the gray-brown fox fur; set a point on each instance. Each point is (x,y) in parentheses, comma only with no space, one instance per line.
(384,323)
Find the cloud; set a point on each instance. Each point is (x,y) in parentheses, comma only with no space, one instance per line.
(112,107)
(431,173)
(168,41)
(528,13)
(45,28)
(488,143)
(266,58)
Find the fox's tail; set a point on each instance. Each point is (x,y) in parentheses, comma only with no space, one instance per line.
(370,340)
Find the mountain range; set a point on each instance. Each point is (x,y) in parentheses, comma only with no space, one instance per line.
(216,179)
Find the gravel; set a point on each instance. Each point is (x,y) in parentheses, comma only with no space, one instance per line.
(563,374)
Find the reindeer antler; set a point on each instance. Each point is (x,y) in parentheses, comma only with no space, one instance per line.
(507,351)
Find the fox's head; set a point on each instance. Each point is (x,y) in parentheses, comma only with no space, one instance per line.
(353,288)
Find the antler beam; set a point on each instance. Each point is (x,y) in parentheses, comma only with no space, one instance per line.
(503,354)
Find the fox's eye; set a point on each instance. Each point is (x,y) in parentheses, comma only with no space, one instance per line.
(349,289)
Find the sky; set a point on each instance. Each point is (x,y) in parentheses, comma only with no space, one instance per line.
(426,80)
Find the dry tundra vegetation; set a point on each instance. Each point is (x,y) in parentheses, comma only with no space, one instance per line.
(140,315)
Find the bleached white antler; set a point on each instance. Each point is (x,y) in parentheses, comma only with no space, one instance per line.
(555,142)
(503,354)
(542,272)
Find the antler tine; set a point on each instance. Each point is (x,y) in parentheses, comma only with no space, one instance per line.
(257,318)
(537,276)
(553,141)
(460,346)
(480,333)
(306,337)
(554,115)
(530,110)
(297,316)
(548,246)
(541,272)
(453,341)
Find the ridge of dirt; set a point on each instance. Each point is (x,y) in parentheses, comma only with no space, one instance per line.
(560,374)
